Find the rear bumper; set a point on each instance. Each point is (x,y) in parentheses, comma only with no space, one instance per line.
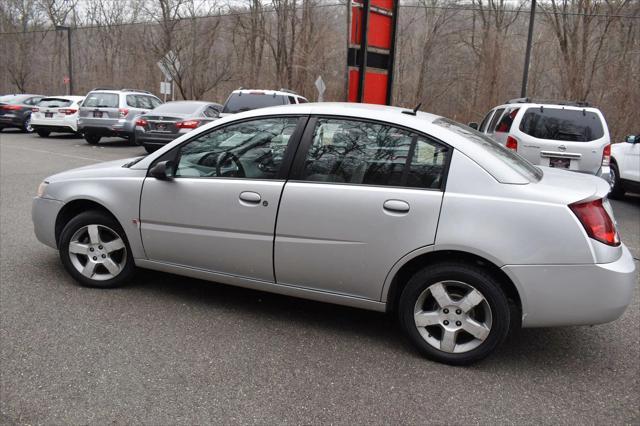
(54,125)
(44,212)
(558,295)
(11,121)
(106,127)
(53,128)
(155,139)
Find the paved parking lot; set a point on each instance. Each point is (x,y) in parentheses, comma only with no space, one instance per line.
(169,349)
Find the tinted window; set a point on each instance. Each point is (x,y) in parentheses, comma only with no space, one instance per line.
(101,100)
(179,107)
(485,121)
(562,124)
(239,102)
(252,149)
(493,148)
(494,120)
(54,103)
(154,102)
(302,101)
(357,152)
(211,112)
(292,100)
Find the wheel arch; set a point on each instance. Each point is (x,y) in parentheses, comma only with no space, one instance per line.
(74,208)
(428,256)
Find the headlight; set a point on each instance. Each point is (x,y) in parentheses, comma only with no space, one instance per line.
(42,188)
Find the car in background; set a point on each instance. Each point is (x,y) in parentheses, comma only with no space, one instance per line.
(565,135)
(248,99)
(15,111)
(625,166)
(57,114)
(368,206)
(112,112)
(171,120)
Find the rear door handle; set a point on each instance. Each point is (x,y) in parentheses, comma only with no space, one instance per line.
(396,206)
(250,197)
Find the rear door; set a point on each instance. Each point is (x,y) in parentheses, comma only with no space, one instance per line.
(563,137)
(219,212)
(100,109)
(362,195)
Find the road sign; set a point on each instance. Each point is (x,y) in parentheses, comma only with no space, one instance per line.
(66,80)
(165,88)
(169,65)
(321,88)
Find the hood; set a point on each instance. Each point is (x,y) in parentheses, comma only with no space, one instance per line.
(114,168)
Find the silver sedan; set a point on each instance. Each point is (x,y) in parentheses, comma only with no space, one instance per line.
(373,207)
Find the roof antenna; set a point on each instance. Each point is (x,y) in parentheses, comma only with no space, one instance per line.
(413,111)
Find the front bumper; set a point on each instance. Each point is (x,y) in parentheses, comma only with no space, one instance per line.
(44,212)
(558,295)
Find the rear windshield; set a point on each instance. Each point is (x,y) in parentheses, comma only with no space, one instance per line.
(179,107)
(54,103)
(239,102)
(493,148)
(562,124)
(102,100)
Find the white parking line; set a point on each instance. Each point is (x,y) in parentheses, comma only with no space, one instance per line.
(52,153)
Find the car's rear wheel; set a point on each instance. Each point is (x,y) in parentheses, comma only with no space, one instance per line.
(454,313)
(617,190)
(43,133)
(95,251)
(91,138)
(150,149)
(26,126)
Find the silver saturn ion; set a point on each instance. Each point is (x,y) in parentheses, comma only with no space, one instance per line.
(368,206)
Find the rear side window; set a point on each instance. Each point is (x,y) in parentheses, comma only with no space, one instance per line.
(239,102)
(562,124)
(302,101)
(54,103)
(504,125)
(358,152)
(101,100)
(492,125)
(292,100)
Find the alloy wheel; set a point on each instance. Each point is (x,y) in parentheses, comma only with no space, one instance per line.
(97,252)
(453,316)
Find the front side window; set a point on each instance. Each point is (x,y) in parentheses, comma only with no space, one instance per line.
(562,124)
(101,100)
(485,121)
(492,125)
(358,152)
(250,149)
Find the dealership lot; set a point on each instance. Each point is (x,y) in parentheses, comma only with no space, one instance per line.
(170,349)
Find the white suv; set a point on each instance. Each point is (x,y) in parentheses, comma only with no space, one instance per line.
(625,166)
(565,135)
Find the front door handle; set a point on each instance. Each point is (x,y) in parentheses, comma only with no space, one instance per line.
(250,197)
(396,206)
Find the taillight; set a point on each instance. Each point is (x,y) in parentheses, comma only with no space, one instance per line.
(141,122)
(606,155)
(189,124)
(512,143)
(10,107)
(596,221)
(123,112)
(68,111)
(35,109)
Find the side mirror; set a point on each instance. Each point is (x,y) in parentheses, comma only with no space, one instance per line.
(163,170)
(633,138)
(473,125)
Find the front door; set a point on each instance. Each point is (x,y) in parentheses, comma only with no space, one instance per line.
(219,212)
(362,195)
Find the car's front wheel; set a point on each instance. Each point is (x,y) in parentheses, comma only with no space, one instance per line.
(94,250)
(150,148)
(454,313)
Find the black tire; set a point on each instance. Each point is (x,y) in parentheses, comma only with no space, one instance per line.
(96,218)
(92,139)
(617,190)
(43,133)
(133,140)
(26,125)
(472,276)
(150,148)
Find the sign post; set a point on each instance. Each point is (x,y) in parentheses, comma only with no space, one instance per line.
(170,66)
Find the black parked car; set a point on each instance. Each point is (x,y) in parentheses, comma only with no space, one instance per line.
(15,111)
(173,119)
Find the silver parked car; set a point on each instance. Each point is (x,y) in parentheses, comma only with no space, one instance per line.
(368,206)
(109,112)
(565,135)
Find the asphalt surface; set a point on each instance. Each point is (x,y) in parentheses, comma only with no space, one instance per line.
(172,350)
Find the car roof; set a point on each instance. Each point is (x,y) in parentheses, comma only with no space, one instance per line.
(268,92)
(550,105)
(192,102)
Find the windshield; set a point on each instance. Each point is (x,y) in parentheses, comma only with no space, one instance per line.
(179,107)
(239,102)
(493,148)
(562,124)
(54,103)
(101,100)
